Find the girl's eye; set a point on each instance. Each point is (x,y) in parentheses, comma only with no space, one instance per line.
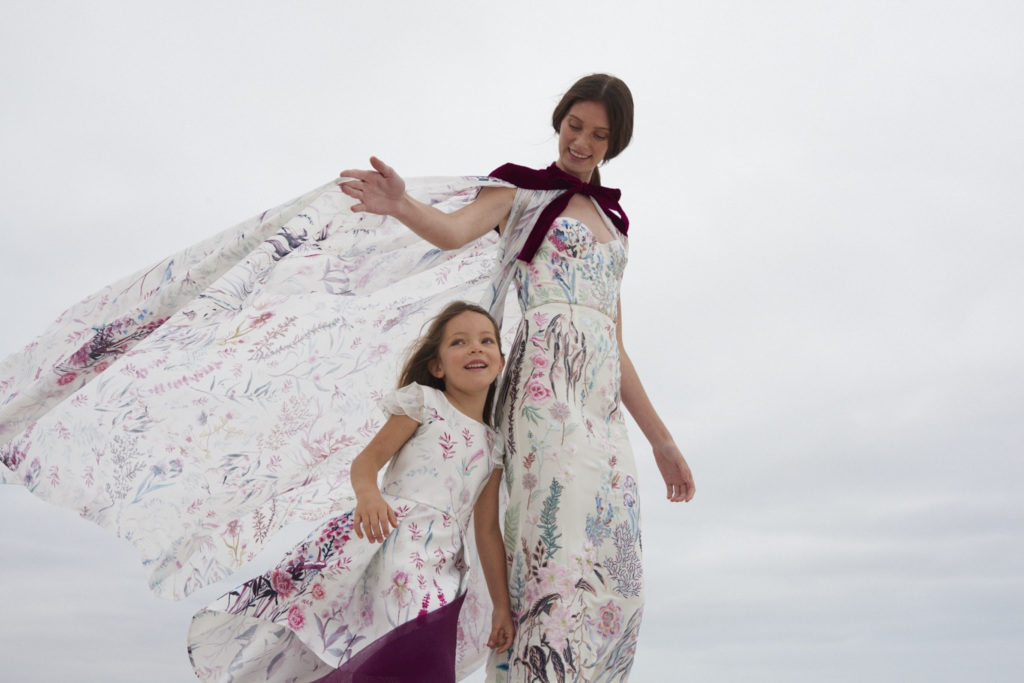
(601,137)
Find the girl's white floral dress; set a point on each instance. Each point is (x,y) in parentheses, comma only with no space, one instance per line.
(338,601)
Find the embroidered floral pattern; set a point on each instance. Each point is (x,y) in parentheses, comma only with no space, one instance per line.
(574,572)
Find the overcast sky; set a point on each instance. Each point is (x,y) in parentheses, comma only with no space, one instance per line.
(823,298)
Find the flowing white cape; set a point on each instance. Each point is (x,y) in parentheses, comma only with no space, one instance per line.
(198,405)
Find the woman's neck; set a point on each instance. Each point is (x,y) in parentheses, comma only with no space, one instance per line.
(558,163)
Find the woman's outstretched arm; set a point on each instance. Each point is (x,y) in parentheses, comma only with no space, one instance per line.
(382,191)
(674,470)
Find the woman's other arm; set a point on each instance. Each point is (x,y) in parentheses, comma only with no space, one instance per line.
(673,467)
(382,191)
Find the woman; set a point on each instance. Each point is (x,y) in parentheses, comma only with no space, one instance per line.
(197,406)
(572,524)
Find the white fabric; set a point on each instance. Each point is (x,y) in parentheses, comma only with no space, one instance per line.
(198,405)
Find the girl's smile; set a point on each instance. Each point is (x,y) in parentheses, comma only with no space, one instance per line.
(469,358)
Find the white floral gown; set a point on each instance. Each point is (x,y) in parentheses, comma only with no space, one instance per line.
(572,528)
(338,601)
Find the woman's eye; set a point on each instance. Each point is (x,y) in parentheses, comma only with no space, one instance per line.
(601,137)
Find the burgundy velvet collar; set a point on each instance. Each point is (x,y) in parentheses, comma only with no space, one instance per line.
(554,178)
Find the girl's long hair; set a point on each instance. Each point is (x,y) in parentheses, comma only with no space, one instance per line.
(618,103)
(427,349)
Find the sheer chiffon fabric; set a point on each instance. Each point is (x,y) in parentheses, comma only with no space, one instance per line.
(196,406)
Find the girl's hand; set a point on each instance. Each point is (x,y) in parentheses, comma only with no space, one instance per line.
(675,472)
(374,517)
(379,191)
(502,630)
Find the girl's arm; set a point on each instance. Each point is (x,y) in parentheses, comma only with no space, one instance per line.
(373,514)
(492,561)
(674,470)
(382,191)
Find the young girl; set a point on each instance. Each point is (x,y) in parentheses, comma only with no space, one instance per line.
(375,593)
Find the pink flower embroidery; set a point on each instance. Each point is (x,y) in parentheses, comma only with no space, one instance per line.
(557,626)
(609,619)
(560,411)
(67,378)
(557,238)
(554,578)
(296,619)
(400,591)
(318,591)
(282,583)
(540,361)
(537,392)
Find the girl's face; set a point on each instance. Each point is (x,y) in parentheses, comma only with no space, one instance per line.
(583,139)
(468,359)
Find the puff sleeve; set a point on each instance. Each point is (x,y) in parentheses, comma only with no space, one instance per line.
(408,400)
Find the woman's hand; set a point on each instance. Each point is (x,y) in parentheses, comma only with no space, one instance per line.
(502,630)
(675,472)
(373,517)
(379,191)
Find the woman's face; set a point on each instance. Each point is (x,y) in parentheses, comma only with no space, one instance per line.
(583,139)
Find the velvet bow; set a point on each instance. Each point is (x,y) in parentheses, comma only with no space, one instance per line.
(554,178)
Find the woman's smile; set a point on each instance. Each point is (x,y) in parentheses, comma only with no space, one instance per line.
(583,139)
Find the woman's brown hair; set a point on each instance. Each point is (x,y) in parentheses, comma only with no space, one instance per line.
(427,349)
(618,103)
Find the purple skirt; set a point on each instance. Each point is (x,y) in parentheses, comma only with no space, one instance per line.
(418,651)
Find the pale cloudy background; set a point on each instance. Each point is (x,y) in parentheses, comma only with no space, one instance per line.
(824,294)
